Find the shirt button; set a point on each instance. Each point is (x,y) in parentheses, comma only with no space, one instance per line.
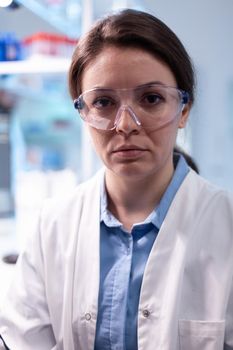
(87,317)
(146,313)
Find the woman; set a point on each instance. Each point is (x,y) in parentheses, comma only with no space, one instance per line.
(141,256)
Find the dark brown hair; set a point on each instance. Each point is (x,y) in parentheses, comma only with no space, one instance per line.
(190,160)
(136,29)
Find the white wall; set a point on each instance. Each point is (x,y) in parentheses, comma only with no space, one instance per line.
(206,29)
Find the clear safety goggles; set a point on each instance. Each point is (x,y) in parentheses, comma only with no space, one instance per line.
(150,106)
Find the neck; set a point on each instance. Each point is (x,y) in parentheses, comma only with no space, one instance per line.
(130,199)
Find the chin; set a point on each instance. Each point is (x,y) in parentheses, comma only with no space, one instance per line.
(130,171)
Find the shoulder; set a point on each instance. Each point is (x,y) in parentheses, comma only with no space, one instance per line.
(84,194)
(62,218)
(209,206)
(203,204)
(205,191)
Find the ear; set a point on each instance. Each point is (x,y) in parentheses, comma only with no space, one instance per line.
(184,116)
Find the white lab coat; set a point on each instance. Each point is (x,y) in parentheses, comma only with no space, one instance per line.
(186,300)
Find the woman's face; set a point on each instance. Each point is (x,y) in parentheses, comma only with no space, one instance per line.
(131,150)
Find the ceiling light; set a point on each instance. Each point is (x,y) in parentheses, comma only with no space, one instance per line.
(5,3)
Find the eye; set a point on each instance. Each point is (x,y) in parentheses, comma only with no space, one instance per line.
(102,102)
(152,98)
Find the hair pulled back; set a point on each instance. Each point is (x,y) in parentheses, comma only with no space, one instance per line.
(136,29)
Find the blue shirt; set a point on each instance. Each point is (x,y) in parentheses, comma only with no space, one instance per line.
(123,257)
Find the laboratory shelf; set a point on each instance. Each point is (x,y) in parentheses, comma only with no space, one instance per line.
(36,64)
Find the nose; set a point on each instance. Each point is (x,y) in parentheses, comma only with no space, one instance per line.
(126,121)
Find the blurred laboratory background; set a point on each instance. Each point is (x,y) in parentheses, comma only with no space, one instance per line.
(44,149)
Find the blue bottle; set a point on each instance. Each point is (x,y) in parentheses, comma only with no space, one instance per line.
(12,48)
(2,48)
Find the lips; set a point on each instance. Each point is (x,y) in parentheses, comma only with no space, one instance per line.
(129,151)
(128,148)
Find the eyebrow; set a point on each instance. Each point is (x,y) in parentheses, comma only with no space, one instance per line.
(157,82)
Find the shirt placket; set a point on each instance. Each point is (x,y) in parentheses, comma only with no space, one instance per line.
(120,294)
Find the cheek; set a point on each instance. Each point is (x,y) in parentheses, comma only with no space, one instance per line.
(164,137)
(99,140)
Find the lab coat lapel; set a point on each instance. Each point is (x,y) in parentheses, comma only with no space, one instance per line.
(160,293)
(86,271)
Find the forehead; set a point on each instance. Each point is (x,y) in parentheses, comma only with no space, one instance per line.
(125,68)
